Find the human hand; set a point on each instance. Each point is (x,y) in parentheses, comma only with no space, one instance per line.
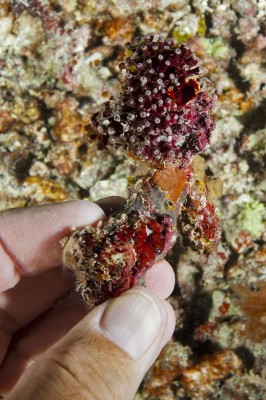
(50,346)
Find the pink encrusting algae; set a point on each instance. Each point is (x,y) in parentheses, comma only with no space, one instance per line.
(161,117)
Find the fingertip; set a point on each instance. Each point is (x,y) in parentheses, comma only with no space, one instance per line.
(32,235)
(171,322)
(161,279)
(82,212)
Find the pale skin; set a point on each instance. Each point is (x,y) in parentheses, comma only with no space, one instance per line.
(50,346)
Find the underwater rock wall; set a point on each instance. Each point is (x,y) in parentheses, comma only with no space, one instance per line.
(59,62)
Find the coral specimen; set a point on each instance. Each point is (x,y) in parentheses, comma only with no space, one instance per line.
(163,112)
(161,88)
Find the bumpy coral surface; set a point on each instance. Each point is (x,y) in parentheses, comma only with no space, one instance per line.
(163,112)
(109,260)
(111,257)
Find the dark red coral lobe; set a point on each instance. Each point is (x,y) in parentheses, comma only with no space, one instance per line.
(110,260)
(163,113)
(152,238)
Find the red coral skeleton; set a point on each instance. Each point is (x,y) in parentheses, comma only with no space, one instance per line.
(161,117)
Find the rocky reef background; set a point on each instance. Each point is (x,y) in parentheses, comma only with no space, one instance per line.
(58,65)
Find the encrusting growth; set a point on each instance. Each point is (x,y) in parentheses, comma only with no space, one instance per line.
(161,117)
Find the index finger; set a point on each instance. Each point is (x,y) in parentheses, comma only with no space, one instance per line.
(29,237)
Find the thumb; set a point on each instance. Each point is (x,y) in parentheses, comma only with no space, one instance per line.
(106,355)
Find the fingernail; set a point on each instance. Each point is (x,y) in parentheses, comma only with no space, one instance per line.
(133,321)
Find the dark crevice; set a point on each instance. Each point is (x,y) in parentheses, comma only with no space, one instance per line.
(201,349)
(82,151)
(138,31)
(233,69)
(208,22)
(46,113)
(84,101)
(254,119)
(173,258)
(21,165)
(209,172)
(57,8)
(201,309)
(175,253)
(237,45)
(257,167)
(195,314)
(235,74)
(192,7)
(95,41)
(232,259)
(7,95)
(114,56)
(246,357)
(83,193)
